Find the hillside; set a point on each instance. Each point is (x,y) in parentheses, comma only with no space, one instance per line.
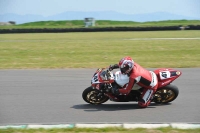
(98,15)
(101,23)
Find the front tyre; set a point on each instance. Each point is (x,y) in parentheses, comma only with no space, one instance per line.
(90,95)
(166,94)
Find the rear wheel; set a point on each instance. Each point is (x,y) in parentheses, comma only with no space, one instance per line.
(166,94)
(91,96)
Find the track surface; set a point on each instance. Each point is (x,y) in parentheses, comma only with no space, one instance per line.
(55,97)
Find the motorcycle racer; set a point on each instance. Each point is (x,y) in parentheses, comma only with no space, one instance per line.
(137,75)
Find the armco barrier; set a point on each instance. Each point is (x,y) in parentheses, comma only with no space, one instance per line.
(122,125)
(103,29)
(193,27)
(60,30)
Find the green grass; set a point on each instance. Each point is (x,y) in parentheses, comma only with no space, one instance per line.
(98,49)
(102,130)
(100,23)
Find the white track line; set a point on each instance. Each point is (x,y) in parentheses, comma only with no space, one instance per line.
(163,39)
(122,125)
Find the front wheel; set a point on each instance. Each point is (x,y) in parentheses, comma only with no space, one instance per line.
(166,94)
(91,96)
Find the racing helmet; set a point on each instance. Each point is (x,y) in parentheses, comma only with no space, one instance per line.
(126,64)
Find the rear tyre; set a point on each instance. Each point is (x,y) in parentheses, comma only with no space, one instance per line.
(90,95)
(166,94)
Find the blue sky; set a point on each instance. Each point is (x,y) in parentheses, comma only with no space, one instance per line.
(51,7)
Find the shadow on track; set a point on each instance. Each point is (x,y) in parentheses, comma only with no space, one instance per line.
(113,107)
(106,107)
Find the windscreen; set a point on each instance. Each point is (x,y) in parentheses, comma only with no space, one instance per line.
(104,75)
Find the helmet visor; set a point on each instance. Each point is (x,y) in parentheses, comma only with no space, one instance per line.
(123,70)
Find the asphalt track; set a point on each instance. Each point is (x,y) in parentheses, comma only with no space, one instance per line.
(54,97)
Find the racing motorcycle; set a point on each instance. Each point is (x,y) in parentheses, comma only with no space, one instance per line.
(103,80)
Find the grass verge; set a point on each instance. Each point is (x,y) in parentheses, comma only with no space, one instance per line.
(99,49)
(101,130)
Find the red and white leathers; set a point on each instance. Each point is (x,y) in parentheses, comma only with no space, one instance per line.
(144,78)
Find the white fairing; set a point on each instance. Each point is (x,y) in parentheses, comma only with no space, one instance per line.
(122,80)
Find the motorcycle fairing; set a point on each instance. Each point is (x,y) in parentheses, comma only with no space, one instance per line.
(102,76)
(166,76)
(121,79)
(95,79)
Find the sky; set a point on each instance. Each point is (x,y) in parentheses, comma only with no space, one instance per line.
(51,7)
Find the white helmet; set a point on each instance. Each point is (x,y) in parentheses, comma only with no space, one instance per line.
(126,64)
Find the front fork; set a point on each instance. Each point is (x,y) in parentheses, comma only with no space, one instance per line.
(105,90)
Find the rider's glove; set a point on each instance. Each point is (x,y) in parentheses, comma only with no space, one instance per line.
(111,67)
(115,91)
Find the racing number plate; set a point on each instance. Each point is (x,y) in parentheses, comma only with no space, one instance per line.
(165,75)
